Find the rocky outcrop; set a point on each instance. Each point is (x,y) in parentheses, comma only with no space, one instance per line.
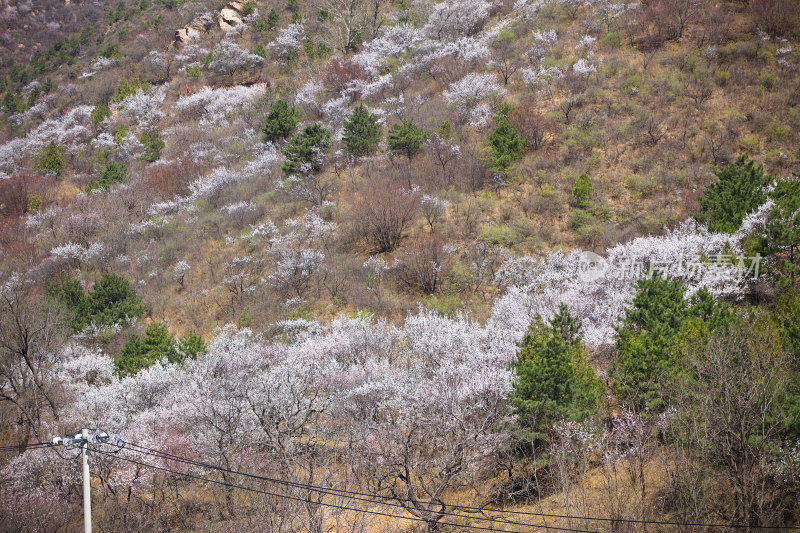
(185,35)
(193,31)
(230,16)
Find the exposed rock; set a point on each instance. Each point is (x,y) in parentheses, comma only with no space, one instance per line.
(228,18)
(192,31)
(203,22)
(185,35)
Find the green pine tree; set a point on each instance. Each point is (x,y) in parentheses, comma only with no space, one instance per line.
(361,132)
(100,113)
(127,88)
(115,172)
(280,121)
(273,18)
(70,294)
(307,150)
(740,190)
(787,316)
(157,344)
(132,358)
(504,144)
(139,353)
(582,191)
(260,51)
(646,360)
(406,137)
(445,130)
(152,146)
(780,242)
(554,380)
(191,346)
(660,317)
(52,159)
(113,300)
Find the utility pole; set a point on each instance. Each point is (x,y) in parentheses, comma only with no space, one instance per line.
(82,439)
(87,486)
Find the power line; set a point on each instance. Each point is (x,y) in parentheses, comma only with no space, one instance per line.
(371,497)
(346,494)
(341,507)
(368,498)
(25,447)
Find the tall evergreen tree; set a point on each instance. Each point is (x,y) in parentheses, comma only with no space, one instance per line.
(554,380)
(153,144)
(780,242)
(52,159)
(582,190)
(111,300)
(157,344)
(306,151)
(115,172)
(504,144)
(406,137)
(361,132)
(740,190)
(646,360)
(280,122)
(647,363)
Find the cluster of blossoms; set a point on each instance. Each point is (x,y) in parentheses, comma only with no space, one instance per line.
(540,286)
(371,364)
(468,94)
(74,132)
(229,57)
(356,379)
(539,75)
(77,253)
(101,63)
(297,252)
(213,184)
(144,107)
(239,207)
(289,40)
(37,111)
(214,106)
(457,18)
(588,64)
(130,148)
(392,43)
(542,42)
(306,95)
(148,226)
(190,53)
(783,55)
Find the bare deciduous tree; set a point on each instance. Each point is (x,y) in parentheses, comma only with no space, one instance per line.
(383,214)
(740,376)
(30,336)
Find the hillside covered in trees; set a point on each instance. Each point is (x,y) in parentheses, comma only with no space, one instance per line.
(401,265)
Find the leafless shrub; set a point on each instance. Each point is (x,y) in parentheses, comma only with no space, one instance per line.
(424,264)
(383,213)
(774,16)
